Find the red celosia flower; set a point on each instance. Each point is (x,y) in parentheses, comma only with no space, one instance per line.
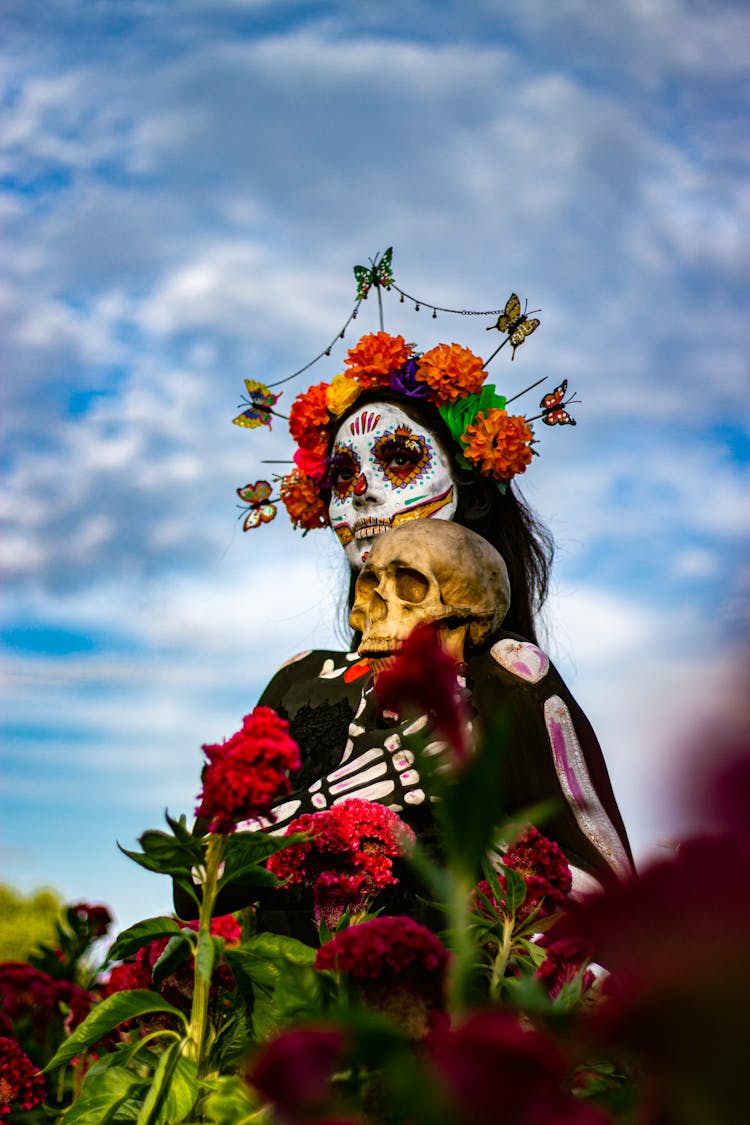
(28,994)
(491,1069)
(423,676)
(348,858)
(546,873)
(543,865)
(21,1084)
(308,418)
(225,926)
(565,959)
(303,502)
(451,372)
(398,966)
(248,772)
(499,444)
(375,357)
(309,1057)
(127,978)
(96,918)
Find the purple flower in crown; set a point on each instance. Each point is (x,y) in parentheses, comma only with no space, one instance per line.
(405,382)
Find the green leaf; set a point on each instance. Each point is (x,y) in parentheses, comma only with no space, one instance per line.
(207,954)
(176,953)
(280,971)
(99,1100)
(108,1015)
(140,934)
(229,1100)
(245,854)
(515,889)
(173,1091)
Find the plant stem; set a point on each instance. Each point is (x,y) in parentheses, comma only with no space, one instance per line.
(501,959)
(197,1037)
(460,941)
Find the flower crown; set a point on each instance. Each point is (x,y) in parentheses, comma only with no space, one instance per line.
(451,377)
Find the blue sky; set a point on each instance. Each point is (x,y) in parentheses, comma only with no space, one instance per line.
(185,188)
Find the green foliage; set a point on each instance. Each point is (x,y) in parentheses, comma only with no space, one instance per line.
(26,921)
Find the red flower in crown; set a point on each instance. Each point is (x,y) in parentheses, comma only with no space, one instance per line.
(248,772)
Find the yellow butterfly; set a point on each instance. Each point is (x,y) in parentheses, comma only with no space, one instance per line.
(516,323)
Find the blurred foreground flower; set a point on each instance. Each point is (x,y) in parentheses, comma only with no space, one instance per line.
(21,1084)
(423,677)
(348,858)
(294,1070)
(398,967)
(490,1070)
(676,944)
(248,772)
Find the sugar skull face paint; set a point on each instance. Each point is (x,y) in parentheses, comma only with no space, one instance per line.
(385,469)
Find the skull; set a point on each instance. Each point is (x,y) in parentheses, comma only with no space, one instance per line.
(430,570)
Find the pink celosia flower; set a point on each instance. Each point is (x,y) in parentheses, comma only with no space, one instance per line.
(424,677)
(348,858)
(398,966)
(127,978)
(248,772)
(21,1084)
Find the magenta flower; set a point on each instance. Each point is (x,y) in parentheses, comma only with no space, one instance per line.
(248,772)
(348,858)
(21,1084)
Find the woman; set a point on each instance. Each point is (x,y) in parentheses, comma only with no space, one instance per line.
(400,437)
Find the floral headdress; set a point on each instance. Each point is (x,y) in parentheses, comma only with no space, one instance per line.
(487,438)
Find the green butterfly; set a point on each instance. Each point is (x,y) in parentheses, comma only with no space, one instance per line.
(378,273)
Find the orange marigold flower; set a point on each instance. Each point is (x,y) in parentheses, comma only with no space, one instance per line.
(498,444)
(300,497)
(374,358)
(309,417)
(451,371)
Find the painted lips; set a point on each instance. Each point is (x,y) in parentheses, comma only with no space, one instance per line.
(371,526)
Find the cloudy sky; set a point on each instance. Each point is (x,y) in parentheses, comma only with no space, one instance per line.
(185,189)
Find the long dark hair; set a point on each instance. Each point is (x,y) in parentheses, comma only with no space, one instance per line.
(504,519)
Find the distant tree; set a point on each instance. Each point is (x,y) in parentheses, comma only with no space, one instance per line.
(27,920)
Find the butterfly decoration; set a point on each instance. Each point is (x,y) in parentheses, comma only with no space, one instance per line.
(260,403)
(515,323)
(378,273)
(260,509)
(553,407)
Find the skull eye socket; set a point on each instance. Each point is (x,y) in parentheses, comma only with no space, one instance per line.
(411,586)
(366,584)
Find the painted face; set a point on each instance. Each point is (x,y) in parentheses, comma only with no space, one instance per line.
(385,469)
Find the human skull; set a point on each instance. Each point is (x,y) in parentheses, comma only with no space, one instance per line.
(430,570)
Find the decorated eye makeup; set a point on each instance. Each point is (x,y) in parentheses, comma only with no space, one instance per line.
(344,470)
(402,455)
